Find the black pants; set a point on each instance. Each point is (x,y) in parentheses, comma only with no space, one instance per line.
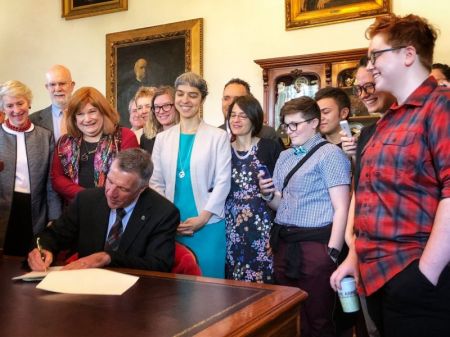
(19,232)
(409,305)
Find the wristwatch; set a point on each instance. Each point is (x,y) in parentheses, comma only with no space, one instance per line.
(333,253)
(269,197)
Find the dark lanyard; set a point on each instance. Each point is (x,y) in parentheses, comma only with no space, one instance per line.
(300,163)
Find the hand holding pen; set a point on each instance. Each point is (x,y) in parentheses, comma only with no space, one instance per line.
(39,259)
(41,251)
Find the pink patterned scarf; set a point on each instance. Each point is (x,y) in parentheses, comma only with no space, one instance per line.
(69,153)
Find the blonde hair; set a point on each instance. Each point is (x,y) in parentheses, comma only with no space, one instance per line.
(15,88)
(146,92)
(153,126)
(78,101)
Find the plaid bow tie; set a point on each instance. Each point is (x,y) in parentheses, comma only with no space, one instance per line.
(299,150)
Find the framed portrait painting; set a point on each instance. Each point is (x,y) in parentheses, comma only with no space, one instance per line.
(307,13)
(74,9)
(152,56)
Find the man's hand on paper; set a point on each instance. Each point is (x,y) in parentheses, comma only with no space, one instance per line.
(38,261)
(96,260)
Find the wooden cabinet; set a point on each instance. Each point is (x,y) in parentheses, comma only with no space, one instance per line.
(288,77)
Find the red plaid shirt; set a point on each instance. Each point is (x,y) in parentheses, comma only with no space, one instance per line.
(405,173)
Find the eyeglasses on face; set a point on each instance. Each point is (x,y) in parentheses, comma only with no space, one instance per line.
(238,116)
(375,54)
(57,84)
(293,125)
(368,88)
(164,107)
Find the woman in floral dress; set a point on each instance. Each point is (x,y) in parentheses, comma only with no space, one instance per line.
(248,218)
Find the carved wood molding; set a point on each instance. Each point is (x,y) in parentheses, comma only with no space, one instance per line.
(299,60)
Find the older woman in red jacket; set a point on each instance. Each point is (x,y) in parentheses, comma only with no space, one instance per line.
(84,155)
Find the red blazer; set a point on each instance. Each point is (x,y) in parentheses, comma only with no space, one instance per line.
(64,186)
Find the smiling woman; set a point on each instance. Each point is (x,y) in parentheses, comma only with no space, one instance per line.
(248,218)
(84,155)
(195,174)
(163,116)
(27,201)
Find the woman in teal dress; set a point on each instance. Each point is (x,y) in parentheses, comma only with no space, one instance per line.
(192,169)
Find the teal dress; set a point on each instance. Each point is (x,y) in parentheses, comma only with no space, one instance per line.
(208,243)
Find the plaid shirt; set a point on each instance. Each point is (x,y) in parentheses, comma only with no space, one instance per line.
(405,173)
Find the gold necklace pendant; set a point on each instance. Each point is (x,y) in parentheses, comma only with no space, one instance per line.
(85,156)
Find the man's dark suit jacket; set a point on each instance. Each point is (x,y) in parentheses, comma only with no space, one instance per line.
(148,241)
(43,118)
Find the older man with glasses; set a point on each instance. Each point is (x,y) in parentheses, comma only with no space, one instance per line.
(59,85)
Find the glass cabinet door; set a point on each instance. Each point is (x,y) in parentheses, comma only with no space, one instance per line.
(288,77)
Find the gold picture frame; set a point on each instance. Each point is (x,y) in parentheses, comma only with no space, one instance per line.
(74,9)
(308,13)
(163,52)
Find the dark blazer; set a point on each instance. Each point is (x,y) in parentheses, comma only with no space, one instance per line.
(43,118)
(147,243)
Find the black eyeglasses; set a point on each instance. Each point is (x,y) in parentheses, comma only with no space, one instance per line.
(55,84)
(375,54)
(368,88)
(165,107)
(293,125)
(238,116)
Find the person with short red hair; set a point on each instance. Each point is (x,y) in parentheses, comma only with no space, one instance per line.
(402,221)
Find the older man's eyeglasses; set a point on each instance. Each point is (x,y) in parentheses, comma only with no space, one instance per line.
(57,84)
(164,107)
(368,88)
(293,125)
(375,54)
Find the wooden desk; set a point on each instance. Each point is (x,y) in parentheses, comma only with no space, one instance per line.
(159,304)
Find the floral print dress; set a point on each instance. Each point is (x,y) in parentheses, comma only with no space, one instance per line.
(248,222)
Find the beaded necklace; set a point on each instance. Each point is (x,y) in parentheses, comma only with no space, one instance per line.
(18,128)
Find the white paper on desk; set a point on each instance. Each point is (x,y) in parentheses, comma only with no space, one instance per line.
(93,281)
(34,276)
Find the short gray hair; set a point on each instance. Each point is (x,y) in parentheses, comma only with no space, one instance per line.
(193,80)
(15,88)
(136,161)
